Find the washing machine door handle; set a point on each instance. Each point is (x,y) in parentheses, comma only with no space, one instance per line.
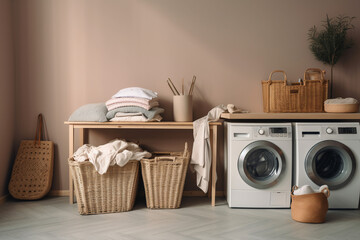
(261,164)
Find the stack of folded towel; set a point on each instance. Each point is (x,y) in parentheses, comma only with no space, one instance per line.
(134,104)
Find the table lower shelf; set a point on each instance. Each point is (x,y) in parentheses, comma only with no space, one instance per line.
(82,126)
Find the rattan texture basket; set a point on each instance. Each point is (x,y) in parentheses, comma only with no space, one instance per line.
(32,173)
(164,178)
(31,176)
(112,192)
(307,96)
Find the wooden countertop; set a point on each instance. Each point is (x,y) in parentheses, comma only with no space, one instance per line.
(137,125)
(314,116)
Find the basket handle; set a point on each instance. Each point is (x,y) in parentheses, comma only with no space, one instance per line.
(293,189)
(38,132)
(185,149)
(318,70)
(326,191)
(165,158)
(280,71)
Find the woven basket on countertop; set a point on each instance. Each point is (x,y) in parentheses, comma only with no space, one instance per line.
(307,96)
(164,178)
(114,191)
(32,172)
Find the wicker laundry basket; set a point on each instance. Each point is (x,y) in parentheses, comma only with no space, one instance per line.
(114,191)
(307,96)
(164,178)
(309,208)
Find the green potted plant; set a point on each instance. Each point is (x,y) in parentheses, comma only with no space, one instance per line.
(329,43)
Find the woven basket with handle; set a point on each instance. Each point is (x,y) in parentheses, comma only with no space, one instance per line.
(114,191)
(32,172)
(306,96)
(164,178)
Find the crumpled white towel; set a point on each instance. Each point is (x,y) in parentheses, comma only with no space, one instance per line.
(231,108)
(115,152)
(201,153)
(341,101)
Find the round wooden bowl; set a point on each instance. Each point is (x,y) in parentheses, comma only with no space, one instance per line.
(341,108)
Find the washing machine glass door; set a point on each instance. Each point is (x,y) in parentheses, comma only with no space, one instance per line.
(331,163)
(260,164)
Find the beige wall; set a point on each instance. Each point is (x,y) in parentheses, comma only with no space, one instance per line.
(73,52)
(7,95)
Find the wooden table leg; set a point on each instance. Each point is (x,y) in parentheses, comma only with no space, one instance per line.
(71,151)
(82,141)
(81,136)
(213,165)
(209,193)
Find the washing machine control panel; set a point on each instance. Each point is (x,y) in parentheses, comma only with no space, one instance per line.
(278,132)
(324,131)
(333,130)
(273,132)
(347,130)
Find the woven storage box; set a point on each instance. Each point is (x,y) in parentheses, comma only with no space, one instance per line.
(309,208)
(164,178)
(307,96)
(111,192)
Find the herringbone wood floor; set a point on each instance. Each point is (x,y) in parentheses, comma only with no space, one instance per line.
(54,218)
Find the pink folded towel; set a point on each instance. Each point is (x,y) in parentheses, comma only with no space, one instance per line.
(127,101)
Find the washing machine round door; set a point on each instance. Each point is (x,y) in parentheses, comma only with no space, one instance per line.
(261,163)
(330,163)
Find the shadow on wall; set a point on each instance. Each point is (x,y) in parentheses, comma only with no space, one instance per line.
(346,83)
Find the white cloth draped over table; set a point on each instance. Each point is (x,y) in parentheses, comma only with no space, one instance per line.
(201,153)
(115,152)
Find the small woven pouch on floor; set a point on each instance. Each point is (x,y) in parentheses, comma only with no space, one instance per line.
(309,208)
(32,172)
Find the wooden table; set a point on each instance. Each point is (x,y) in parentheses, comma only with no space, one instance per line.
(83,126)
(291,116)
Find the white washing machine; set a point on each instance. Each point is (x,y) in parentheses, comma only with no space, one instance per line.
(329,153)
(258,164)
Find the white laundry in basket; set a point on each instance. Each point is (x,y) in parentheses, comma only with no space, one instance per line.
(306,189)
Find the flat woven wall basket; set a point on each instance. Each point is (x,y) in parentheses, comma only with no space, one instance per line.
(32,172)
(164,178)
(112,192)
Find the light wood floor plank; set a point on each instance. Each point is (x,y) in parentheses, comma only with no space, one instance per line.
(54,218)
